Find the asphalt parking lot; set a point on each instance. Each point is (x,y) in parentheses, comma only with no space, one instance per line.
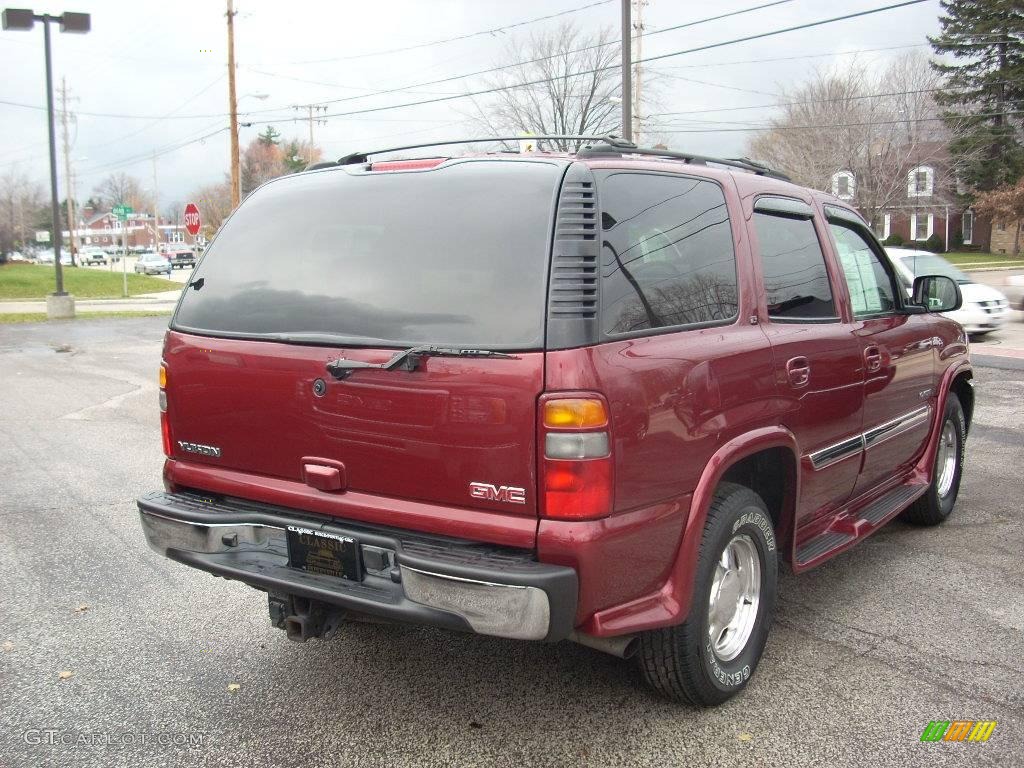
(912,626)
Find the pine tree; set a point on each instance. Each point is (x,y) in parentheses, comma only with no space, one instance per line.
(270,137)
(984,87)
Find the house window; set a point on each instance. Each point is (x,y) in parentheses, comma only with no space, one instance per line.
(967,227)
(921,226)
(843,185)
(886,226)
(921,182)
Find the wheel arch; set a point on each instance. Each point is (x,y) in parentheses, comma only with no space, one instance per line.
(670,604)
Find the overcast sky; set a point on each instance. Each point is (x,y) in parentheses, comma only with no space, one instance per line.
(155,74)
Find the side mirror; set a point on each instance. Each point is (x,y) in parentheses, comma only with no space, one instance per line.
(937,293)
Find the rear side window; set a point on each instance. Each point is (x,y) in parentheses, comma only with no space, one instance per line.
(795,278)
(667,253)
(453,256)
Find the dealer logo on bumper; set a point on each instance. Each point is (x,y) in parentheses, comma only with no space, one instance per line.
(202,450)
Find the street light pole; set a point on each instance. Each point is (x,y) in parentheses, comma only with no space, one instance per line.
(59,304)
(54,202)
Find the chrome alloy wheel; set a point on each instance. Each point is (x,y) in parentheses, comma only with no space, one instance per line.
(735,593)
(945,461)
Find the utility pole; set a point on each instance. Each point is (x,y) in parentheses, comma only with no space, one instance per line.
(627,86)
(69,188)
(236,175)
(310,109)
(156,210)
(638,27)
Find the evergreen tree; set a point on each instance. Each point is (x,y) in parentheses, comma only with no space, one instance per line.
(270,137)
(984,87)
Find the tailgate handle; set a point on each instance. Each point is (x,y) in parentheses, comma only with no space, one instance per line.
(323,474)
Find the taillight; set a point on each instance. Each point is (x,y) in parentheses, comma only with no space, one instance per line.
(165,427)
(576,468)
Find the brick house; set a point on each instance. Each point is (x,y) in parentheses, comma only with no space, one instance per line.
(104,229)
(928,206)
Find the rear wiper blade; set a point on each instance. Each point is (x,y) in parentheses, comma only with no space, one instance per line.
(409,359)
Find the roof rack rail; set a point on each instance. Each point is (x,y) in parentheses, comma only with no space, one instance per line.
(617,146)
(357,158)
(600,146)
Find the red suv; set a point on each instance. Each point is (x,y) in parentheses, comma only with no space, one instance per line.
(592,396)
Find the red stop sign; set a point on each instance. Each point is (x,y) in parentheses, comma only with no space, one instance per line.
(192,221)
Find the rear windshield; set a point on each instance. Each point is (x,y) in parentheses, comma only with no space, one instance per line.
(455,256)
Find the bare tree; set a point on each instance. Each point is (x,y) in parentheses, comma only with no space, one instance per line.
(875,128)
(21,201)
(214,201)
(122,189)
(577,94)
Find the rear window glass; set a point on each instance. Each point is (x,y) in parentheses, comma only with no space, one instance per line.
(455,256)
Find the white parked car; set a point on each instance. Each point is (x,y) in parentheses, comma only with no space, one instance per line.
(984,309)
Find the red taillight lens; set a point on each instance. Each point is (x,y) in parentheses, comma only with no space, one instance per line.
(576,462)
(577,490)
(165,434)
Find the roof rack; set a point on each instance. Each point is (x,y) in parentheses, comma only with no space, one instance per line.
(357,158)
(614,146)
(600,146)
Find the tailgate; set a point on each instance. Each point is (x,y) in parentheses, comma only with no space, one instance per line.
(425,435)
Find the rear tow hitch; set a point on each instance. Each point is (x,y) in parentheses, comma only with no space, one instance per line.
(302,618)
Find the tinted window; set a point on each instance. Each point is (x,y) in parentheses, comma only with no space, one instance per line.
(795,277)
(667,256)
(455,256)
(871,287)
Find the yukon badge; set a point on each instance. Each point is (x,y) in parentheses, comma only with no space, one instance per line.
(202,450)
(506,493)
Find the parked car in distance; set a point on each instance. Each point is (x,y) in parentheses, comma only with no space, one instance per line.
(180,256)
(151,263)
(604,418)
(44,256)
(92,254)
(16,257)
(985,309)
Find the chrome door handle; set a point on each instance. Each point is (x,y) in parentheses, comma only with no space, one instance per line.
(873,359)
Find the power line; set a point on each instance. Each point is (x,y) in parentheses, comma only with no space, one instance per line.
(447,79)
(859,97)
(659,57)
(466,36)
(490,70)
(837,125)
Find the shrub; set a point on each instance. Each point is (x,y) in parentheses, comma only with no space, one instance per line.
(934,244)
(893,240)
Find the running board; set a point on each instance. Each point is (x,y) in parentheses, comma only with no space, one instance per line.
(850,526)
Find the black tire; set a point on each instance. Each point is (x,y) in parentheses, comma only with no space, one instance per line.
(935,506)
(680,661)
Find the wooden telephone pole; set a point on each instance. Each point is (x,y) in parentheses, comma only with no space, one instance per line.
(69,187)
(236,175)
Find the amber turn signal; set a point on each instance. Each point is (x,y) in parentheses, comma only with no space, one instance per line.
(575,413)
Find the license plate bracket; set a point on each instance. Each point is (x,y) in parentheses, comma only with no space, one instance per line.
(324,553)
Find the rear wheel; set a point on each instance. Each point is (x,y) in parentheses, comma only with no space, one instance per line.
(710,657)
(938,501)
